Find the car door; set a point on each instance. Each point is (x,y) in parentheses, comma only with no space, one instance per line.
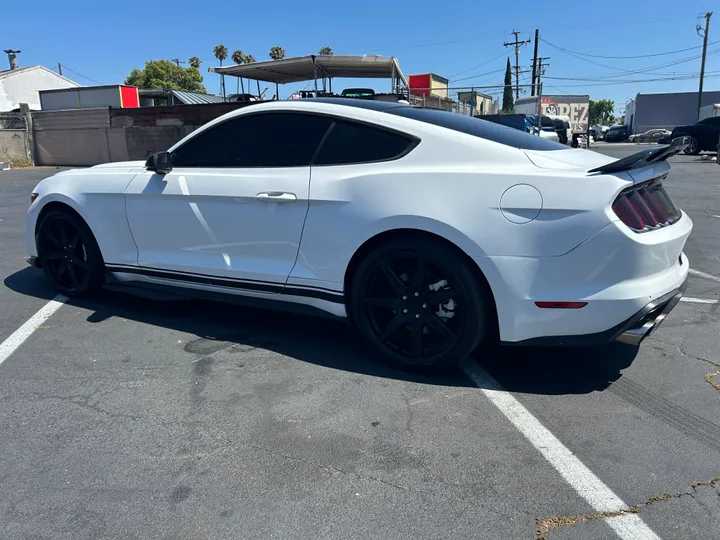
(233,205)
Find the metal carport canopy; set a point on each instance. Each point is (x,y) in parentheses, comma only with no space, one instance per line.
(308,68)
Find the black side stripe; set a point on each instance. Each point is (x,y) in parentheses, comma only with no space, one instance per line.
(248,285)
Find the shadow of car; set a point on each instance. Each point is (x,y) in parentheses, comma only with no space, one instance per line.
(332,344)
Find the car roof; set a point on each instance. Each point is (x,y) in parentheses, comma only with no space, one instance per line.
(370,104)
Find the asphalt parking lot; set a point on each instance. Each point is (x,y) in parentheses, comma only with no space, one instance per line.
(126,418)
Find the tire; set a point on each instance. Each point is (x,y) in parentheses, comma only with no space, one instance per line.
(402,310)
(69,254)
(692,149)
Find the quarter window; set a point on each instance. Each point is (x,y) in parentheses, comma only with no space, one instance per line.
(281,139)
(353,142)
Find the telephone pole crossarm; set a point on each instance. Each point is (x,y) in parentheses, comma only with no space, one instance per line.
(517,44)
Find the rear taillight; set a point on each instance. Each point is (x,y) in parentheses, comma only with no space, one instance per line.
(646,207)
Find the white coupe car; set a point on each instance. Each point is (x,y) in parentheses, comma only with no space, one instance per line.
(432,232)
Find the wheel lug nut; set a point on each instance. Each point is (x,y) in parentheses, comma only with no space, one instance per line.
(404,297)
(417,315)
(405,310)
(424,305)
(417,294)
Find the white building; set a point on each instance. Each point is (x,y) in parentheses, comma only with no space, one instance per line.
(21,85)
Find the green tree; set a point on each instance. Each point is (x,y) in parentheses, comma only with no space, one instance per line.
(326,51)
(239,58)
(221,52)
(165,74)
(602,112)
(195,62)
(277,53)
(507,102)
(250,59)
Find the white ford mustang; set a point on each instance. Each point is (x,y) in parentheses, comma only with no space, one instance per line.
(432,232)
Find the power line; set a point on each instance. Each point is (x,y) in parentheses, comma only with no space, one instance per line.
(480,75)
(80,74)
(626,71)
(637,81)
(475,67)
(636,56)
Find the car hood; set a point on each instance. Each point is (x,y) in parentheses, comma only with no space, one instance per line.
(572,159)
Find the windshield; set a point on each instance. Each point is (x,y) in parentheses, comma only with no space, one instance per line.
(478,128)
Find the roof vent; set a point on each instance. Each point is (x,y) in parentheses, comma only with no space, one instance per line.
(12,58)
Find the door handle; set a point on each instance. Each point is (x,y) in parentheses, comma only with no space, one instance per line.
(276,196)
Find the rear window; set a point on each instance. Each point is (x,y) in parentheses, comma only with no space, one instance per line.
(477,128)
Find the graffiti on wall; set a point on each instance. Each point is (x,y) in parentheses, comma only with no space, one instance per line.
(577,108)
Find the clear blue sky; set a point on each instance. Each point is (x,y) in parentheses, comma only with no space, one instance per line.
(103,41)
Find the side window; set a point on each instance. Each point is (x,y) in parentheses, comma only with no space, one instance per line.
(275,139)
(351,142)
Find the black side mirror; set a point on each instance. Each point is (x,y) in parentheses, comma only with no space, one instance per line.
(160,162)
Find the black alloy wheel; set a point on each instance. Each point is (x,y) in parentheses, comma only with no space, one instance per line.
(69,254)
(419,304)
(693,148)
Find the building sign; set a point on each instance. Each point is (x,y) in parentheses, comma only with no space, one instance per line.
(577,108)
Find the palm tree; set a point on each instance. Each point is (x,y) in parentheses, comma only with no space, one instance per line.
(250,59)
(277,53)
(325,51)
(221,53)
(239,58)
(195,62)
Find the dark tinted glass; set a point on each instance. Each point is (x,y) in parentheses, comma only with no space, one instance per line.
(712,120)
(256,140)
(478,128)
(351,142)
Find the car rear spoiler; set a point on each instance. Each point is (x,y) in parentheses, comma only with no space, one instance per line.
(644,157)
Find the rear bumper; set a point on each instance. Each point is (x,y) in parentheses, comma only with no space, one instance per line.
(650,317)
(632,331)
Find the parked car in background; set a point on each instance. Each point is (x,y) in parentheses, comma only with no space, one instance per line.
(598,132)
(617,134)
(650,136)
(703,135)
(447,232)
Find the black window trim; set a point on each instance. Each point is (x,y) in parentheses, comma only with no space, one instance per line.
(414,140)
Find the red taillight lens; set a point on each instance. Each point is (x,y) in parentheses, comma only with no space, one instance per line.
(561,305)
(646,207)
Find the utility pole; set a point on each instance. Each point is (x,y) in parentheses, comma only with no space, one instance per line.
(534,67)
(517,44)
(705,33)
(60,68)
(177,61)
(540,72)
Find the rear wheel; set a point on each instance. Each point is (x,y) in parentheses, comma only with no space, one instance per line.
(419,304)
(693,148)
(69,254)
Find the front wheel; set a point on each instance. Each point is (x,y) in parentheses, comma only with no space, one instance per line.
(69,254)
(419,304)
(693,148)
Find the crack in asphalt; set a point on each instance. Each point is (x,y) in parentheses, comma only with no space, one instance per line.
(547,524)
(710,376)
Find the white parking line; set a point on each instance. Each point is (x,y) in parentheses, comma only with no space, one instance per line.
(19,336)
(699,300)
(704,275)
(627,526)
